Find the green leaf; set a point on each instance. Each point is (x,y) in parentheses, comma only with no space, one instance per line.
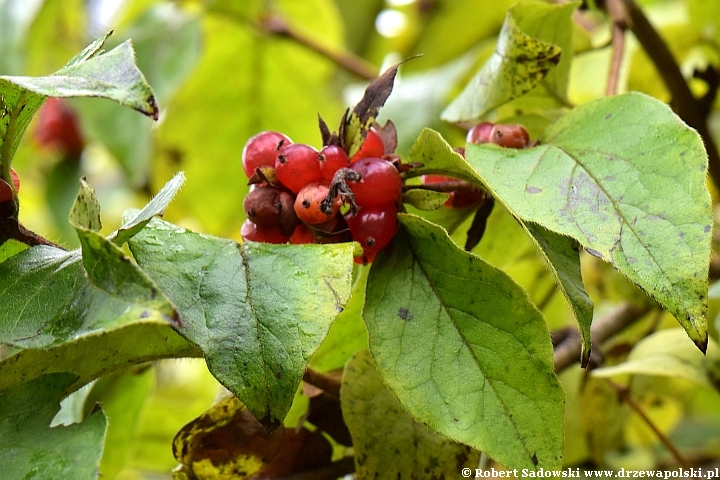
(48,299)
(156,207)
(347,334)
(111,75)
(29,448)
(85,212)
(667,353)
(552,23)
(10,248)
(562,257)
(131,344)
(559,252)
(519,64)
(257,311)
(388,442)
(464,349)
(626,178)
(52,297)
(425,199)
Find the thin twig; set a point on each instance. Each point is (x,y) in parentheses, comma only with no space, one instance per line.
(625,395)
(277,25)
(324,382)
(568,351)
(683,101)
(10,228)
(617,13)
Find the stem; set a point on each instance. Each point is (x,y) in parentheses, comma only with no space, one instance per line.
(329,385)
(617,12)
(10,228)
(279,26)
(5,154)
(683,102)
(625,395)
(568,351)
(444,187)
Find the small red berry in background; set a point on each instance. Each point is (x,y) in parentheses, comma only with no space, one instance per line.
(510,136)
(373,146)
(380,183)
(58,127)
(480,133)
(298,165)
(262,150)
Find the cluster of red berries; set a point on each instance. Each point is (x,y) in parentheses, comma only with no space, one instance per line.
(302,195)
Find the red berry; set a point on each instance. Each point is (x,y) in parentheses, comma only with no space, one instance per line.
(262,205)
(298,165)
(15,179)
(307,204)
(373,146)
(510,136)
(58,127)
(373,226)
(6,192)
(380,183)
(480,133)
(458,199)
(262,150)
(301,235)
(332,158)
(254,233)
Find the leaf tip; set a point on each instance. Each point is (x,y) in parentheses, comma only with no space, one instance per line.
(702,344)
(154,110)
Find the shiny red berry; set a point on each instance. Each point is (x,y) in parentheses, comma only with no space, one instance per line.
(298,165)
(380,183)
(480,133)
(373,226)
(254,233)
(262,150)
(332,158)
(510,136)
(373,146)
